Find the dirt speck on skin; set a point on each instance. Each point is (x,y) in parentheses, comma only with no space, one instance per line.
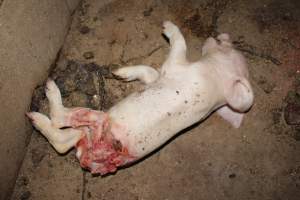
(210,160)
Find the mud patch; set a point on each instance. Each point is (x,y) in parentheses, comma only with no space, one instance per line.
(282,18)
(291,57)
(82,84)
(292,109)
(292,113)
(204,20)
(277,14)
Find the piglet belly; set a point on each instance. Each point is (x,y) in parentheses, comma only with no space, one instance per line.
(100,151)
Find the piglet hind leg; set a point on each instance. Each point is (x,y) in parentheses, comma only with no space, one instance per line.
(60,115)
(93,134)
(61,139)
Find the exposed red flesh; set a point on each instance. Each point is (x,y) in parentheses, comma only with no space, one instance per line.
(100,151)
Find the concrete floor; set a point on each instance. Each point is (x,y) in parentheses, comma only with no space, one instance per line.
(211,160)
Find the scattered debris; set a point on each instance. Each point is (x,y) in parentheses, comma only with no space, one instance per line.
(37,156)
(25,195)
(266,85)
(231,176)
(148,12)
(246,48)
(88,55)
(292,108)
(84,30)
(120,19)
(23,181)
(292,114)
(277,115)
(296,133)
(204,20)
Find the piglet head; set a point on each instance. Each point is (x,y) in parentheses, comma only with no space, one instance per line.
(232,72)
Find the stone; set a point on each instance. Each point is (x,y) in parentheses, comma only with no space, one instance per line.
(292,113)
(88,55)
(84,30)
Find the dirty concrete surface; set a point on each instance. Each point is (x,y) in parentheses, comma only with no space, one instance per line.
(30,38)
(210,160)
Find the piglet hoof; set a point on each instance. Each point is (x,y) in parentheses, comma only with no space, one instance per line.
(52,91)
(170,29)
(124,74)
(39,120)
(28,114)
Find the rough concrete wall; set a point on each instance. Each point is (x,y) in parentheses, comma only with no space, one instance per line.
(31,34)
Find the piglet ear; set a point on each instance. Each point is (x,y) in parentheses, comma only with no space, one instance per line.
(234,118)
(239,94)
